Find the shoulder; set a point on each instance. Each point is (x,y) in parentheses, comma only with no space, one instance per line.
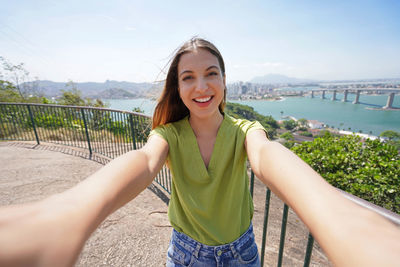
(170,129)
(243,125)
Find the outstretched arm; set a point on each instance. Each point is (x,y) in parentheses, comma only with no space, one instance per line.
(348,233)
(53,231)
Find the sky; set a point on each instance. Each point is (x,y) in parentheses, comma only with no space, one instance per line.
(94,40)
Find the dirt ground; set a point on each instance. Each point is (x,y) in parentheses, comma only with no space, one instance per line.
(137,234)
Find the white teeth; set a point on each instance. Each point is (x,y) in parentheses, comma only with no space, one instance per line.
(202,100)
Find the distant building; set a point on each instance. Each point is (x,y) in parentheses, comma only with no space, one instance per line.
(313,124)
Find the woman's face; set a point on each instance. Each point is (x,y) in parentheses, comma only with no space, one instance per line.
(201,83)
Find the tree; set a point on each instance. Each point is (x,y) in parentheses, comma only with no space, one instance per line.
(14,86)
(247,112)
(19,77)
(138,110)
(391,135)
(307,134)
(98,103)
(394,138)
(287,136)
(303,122)
(289,124)
(72,96)
(8,92)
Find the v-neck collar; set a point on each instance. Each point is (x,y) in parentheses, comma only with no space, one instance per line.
(204,169)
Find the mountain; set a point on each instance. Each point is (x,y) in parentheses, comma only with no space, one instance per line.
(114,93)
(278,79)
(108,89)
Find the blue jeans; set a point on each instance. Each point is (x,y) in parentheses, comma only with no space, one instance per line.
(185,251)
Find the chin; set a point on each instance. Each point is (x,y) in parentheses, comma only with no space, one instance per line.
(205,114)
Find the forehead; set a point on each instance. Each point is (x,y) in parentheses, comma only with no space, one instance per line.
(198,59)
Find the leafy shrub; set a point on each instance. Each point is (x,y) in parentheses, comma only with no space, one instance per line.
(289,144)
(391,135)
(246,112)
(289,124)
(368,169)
(287,136)
(49,121)
(393,138)
(307,134)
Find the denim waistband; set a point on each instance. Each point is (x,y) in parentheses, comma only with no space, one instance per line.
(198,248)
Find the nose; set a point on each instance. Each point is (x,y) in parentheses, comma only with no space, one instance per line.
(201,85)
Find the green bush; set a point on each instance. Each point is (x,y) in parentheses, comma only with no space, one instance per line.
(289,124)
(289,144)
(50,121)
(391,135)
(307,134)
(287,136)
(393,138)
(246,112)
(368,169)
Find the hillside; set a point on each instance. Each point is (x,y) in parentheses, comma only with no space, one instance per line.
(247,112)
(94,89)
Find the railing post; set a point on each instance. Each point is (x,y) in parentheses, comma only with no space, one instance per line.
(252,183)
(310,244)
(133,131)
(266,212)
(283,233)
(87,133)
(33,124)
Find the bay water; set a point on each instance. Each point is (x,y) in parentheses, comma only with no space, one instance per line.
(365,117)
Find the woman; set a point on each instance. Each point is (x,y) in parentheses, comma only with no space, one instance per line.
(350,235)
(211,207)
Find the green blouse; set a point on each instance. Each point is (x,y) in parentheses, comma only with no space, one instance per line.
(211,205)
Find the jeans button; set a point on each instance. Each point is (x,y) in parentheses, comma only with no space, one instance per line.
(219,253)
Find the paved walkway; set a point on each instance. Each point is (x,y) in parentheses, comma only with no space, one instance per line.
(137,234)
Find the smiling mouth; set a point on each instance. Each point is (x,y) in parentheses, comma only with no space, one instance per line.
(203,99)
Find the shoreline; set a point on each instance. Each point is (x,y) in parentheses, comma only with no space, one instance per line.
(382,108)
(362,135)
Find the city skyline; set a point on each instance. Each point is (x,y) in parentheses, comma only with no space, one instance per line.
(133,41)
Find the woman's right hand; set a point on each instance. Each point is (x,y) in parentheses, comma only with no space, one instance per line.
(43,233)
(52,232)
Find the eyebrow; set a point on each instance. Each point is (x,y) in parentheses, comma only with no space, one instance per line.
(189,71)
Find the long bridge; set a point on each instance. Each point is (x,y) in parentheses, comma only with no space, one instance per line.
(357,91)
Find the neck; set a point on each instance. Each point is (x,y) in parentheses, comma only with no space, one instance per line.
(206,126)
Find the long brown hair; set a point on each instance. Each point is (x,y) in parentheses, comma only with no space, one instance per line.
(170,107)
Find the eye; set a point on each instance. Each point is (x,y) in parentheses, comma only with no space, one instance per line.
(213,73)
(187,78)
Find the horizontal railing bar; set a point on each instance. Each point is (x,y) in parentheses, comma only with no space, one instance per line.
(78,107)
(391,216)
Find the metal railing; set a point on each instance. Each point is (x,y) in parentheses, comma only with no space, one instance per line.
(104,133)
(110,133)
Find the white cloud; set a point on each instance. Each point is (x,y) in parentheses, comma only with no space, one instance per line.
(130,28)
(109,18)
(270,64)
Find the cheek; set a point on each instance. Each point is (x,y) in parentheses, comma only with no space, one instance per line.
(183,94)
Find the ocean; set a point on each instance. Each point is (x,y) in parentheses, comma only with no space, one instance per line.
(362,117)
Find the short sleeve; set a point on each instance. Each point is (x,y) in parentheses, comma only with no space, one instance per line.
(255,125)
(160,131)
